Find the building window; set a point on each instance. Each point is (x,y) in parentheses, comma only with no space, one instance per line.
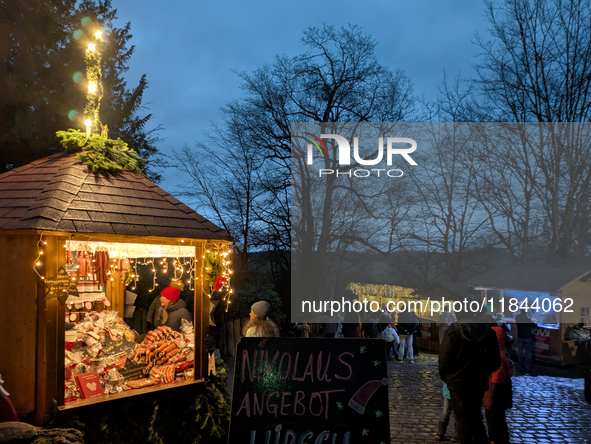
(585,318)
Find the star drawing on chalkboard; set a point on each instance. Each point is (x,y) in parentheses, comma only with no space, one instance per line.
(340,405)
(362,349)
(379,414)
(376,363)
(365,432)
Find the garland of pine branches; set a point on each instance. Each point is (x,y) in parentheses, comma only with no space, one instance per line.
(101,153)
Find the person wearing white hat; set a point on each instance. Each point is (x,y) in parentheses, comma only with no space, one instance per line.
(259,324)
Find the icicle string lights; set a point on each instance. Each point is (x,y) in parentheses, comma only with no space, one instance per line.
(184,264)
(38,263)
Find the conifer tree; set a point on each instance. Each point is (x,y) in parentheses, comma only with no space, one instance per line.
(42,83)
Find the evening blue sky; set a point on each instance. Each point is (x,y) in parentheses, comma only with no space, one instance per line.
(190,49)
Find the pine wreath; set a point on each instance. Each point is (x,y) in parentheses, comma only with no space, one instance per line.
(101,153)
(213,266)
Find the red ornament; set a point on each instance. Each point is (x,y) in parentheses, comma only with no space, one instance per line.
(219,283)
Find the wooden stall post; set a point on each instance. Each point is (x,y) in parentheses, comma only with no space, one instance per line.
(201,318)
(51,336)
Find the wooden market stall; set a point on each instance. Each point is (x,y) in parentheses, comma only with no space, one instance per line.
(561,314)
(55,202)
(381,293)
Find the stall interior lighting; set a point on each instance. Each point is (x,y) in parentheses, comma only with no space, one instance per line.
(120,250)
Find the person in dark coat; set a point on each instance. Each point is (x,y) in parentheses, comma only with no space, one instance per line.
(499,396)
(525,339)
(351,325)
(407,326)
(468,354)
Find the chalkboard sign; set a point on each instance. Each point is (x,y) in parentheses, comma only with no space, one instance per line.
(132,371)
(60,286)
(291,390)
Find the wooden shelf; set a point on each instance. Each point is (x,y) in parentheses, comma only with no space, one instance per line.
(127,394)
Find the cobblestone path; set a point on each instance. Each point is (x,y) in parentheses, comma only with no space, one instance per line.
(546,409)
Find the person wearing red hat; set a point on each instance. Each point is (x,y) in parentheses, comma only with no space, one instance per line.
(172,309)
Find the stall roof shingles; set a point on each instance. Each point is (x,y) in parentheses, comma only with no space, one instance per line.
(59,193)
(542,279)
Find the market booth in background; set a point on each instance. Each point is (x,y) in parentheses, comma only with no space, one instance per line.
(70,241)
(561,313)
(439,291)
(381,293)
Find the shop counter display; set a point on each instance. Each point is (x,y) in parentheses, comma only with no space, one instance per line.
(103,357)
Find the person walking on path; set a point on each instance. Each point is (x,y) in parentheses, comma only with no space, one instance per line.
(499,396)
(260,325)
(443,323)
(468,355)
(351,325)
(392,341)
(407,325)
(445,416)
(331,326)
(525,339)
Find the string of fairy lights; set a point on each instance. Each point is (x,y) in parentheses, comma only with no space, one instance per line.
(94,93)
(184,269)
(388,291)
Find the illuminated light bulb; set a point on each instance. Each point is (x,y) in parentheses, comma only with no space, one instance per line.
(73,279)
(112,279)
(98,34)
(133,288)
(41,252)
(42,277)
(38,264)
(91,46)
(153,271)
(77,266)
(91,87)
(44,243)
(182,240)
(88,124)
